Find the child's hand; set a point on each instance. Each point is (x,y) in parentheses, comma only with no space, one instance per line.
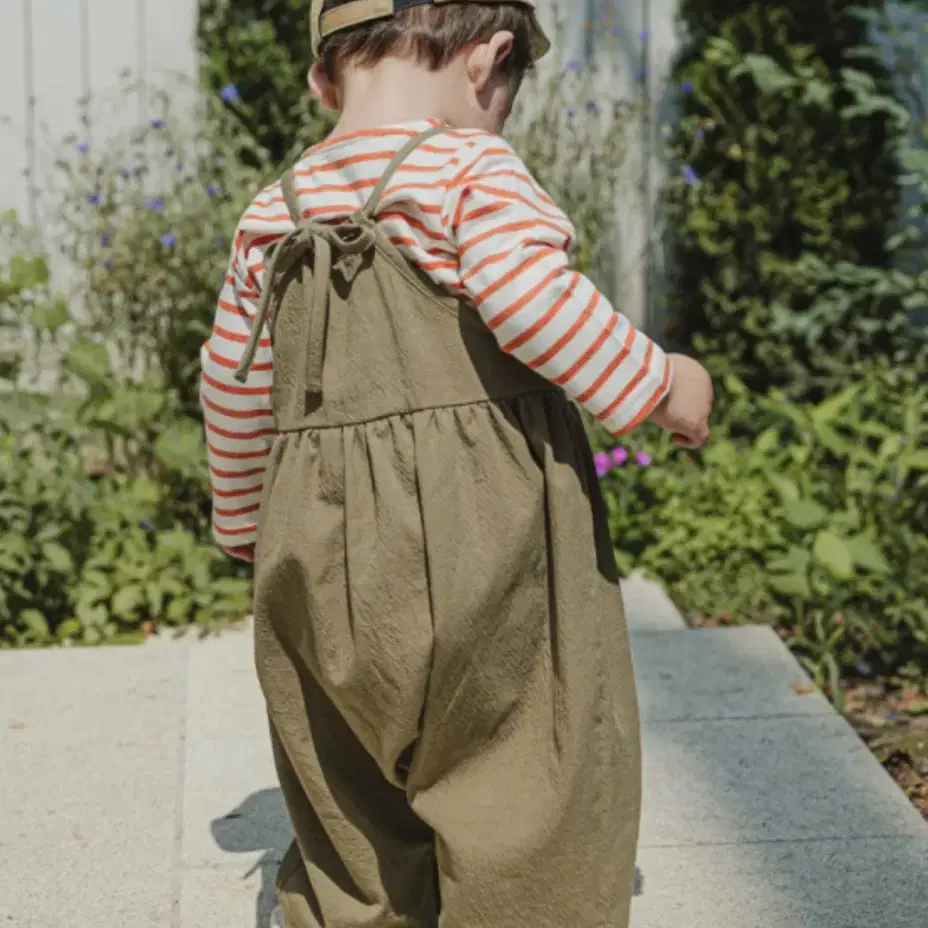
(686,409)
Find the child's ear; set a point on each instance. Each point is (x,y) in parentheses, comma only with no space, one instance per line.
(486,59)
(321,87)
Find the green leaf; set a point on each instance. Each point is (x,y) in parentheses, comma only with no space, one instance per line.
(785,488)
(51,316)
(58,557)
(834,555)
(35,623)
(791,585)
(805,514)
(90,362)
(127,601)
(795,561)
(68,629)
(867,555)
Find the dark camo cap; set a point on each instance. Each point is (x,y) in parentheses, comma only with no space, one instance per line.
(356,12)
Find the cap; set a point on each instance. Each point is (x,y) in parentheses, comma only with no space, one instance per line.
(356,12)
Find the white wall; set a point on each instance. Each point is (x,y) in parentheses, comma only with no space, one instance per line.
(55,53)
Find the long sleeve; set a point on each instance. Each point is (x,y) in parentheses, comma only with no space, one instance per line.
(513,244)
(239,418)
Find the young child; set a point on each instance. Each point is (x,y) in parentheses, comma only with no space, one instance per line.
(387,391)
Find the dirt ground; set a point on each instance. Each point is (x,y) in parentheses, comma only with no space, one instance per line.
(893,721)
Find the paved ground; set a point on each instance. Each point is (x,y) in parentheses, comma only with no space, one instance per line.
(136,790)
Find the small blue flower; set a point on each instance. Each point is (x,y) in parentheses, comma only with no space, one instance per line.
(126,173)
(105,239)
(94,199)
(213,191)
(218,242)
(180,167)
(690,175)
(575,64)
(592,106)
(230,94)
(168,240)
(156,123)
(644,36)
(688,87)
(569,113)
(145,525)
(83,147)
(640,75)
(156,205)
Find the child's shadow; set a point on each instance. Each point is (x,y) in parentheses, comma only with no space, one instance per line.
(259,823)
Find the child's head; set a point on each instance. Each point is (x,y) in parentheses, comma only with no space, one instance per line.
(459,60)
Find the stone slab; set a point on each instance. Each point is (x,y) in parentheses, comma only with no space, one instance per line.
(647,606)
(88,834)
(784,779)
(233,812)
(227,898)
(813,884)
(720,673)
(65,695)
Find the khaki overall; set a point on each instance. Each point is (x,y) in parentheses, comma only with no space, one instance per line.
(439,628)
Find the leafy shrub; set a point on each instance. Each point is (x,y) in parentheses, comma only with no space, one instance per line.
(817,522)
(257,55)
(786,155)
(573,136)
(146,220)
(104,512)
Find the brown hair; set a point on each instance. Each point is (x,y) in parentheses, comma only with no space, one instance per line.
(431,35)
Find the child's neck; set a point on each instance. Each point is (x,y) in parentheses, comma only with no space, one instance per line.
(394,91)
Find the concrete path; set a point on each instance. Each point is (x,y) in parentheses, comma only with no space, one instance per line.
(136,790)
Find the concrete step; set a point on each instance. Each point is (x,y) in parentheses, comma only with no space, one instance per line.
(137,789)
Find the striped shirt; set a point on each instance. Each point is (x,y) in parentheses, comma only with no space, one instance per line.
(464,208)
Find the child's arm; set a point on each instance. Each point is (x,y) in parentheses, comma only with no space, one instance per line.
(239,419)
(513,243)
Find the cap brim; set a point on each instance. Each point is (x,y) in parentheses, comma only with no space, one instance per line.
(541,44)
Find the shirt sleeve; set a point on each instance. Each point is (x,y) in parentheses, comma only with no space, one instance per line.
(238,417)
(513,245)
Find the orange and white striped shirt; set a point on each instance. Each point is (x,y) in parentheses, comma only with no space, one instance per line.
(464,208)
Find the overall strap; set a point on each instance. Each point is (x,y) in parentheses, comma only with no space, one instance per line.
(373,203)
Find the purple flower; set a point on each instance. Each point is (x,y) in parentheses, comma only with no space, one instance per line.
(569,113)
(592,106)
(690,175)
(213,191)
(575,64)
(688,87)
(644,36)
(95,199)
(230,94)
(640,75)
(156,123)
(619,456)
(126,173)
(105,239)
(168,240)
(602,462)
(156,205)
(643,458)
(83,147)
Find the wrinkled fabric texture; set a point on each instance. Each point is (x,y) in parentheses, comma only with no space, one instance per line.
(439,629)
